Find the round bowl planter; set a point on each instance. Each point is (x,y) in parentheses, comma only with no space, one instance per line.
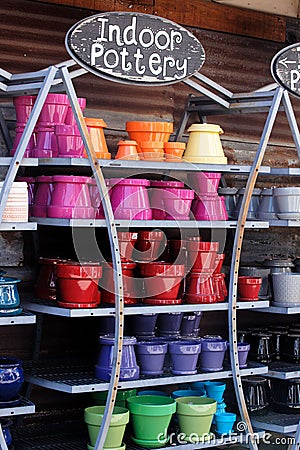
(129,368)
(224,422)
(151,357)
(150,416)
(249,287)
(78,282)
(184,356)
(204,144)
(149,132)
(93,417)
(11,378)
(149,246)
(127,150)
(162,280)
(174,151)
(100,397)
(212,354)
(215,390)
(9,295)
(195,416)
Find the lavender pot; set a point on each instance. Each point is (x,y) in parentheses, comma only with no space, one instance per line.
(243,350)
(143,324)
(151,357)
(168,324)
(212,354)
(184,356)
(190,324)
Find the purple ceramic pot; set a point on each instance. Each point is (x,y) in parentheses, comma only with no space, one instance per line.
(168,324)
(70,198)
(184,356)
(46,146)
(243,350)
(54,110)
(143,324)
(69,142)
(129,198)
(151,357)
(212,354)
(129,368)
(30,145)
(156,196)
(43,196)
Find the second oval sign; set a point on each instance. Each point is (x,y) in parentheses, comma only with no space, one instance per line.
(135,48)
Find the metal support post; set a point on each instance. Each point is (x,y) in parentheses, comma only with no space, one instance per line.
(292,120)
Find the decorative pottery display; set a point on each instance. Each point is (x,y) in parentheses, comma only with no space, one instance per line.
(212,354)
(184,356)
(16,208)
(256,392)
(174,151)
(11,379)
(127,150)
(96,130)
(204,145)
(42,197)
(149,132)
(129,368)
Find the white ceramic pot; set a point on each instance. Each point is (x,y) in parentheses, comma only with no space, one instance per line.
(287,202)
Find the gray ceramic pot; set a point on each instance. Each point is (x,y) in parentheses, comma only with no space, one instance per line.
(253,206)
(266,208)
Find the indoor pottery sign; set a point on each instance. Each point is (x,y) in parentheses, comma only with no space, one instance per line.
(285,68)
(135,48)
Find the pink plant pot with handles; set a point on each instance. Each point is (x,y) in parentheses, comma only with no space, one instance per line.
(69,142)
(129,198)
(42,197)
(70,198)
(177,203)
(54,110)
(209,207)
(46,146)
(156,198)
(31,143)
(23,106)
(70,118)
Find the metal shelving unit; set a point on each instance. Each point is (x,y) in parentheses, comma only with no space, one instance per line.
(281,310)
(276,422)
(283,370)
(25,162)
(25,318)
(23,407)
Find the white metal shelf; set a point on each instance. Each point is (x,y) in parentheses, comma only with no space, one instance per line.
(284,223)
(24,407)
(285,171)
(283,370)
(18,226)
(25,318)
(280,310)
(46,307)
(26,162)
(74,379)
(276,422)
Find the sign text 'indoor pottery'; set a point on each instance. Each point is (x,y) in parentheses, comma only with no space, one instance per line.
(135,48)
(285,68)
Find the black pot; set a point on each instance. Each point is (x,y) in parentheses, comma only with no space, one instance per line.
(261,347)
(285,395)
(291,348)
(256,391)
(278,338)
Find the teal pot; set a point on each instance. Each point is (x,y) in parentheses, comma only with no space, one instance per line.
(224,422)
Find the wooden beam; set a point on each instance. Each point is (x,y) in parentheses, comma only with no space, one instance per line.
(196,13)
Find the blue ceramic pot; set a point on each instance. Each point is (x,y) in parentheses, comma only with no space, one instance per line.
(151,357)
(224,422)
(129,368)
(212,354)
(11,378)
(184,356)
(9,296)
(215,390)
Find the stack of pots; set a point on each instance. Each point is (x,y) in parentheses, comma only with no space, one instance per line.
(208,205)
(278,266)
(150,138)
(23,106)
(149,246)
(16,208)
(170,201)
(205,283)
(96,130)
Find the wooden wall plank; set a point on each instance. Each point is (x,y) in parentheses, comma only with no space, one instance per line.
(196,13)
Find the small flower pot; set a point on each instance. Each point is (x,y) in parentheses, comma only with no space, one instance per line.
(78,283)
(46,143)
(131,289)
(184,356)
(11,378)
(174,151)
(23,106)
(96,130)
(30,146)
(54,110)
(143,324)
(156,196)
(215,390)
(127,150)
(162,280)
(243,350)
(177,203)
(229,194)
(209,207)
(43,196)
(204,182)
(266,208)
(253,206)
(127,242)
(248,288)
(200,288)
(149,131)
(150,417)
(46,284)
(168,324)
(69,142)
(204,145)
(212,354)
(149,246)
(198,386)
(224,422)
(190,324)
(195,416)
(258,272)
(152,151)
(287,202)
(9,295)
(93,417)
(129,198)
(151,357)
(70,118)
(129,368)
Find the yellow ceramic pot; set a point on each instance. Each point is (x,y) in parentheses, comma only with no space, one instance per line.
(204,145)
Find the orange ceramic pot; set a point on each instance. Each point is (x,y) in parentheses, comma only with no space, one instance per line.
(127,150)
(149,132)
(174,151)
(96,130)
(153,151)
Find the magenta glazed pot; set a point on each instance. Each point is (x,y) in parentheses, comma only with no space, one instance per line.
(30,145)
(23,106)
(204,182)
(70,198)
(96,200)
(156,196)
(69,142)
(70,118)
(177,203)
(43,196)
(46,146)
(209,207)
(54,110)
(129,198)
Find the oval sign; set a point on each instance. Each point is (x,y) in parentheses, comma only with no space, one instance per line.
(285,68)
(135,48)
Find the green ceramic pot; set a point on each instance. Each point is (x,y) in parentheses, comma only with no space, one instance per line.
(99,398)
(93,418)
(195,416)
(150,416)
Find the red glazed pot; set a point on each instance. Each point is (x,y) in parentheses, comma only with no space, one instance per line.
(43,196)
(219,262)
(248,288)
(200,289)
(78,283)
(46,283)
(149,245)
(162,280)
(130,289)
(218,284)
(202,255)
(127,241)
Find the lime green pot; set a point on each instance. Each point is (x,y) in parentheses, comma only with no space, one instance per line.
(150,416)
(99,398)
(120,417)
(195,416)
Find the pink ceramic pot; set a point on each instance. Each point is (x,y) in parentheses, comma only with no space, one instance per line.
(162,280)
(209,207)
(70,118)
(96,201)
(31,143)
(129,198)
(202,255)
(46,146)
(54,110)
(42,197)
(23,106)
(204,182)
(70,198)
(130,289)
(177,203)
(200,289)
(156,196)
(69,142)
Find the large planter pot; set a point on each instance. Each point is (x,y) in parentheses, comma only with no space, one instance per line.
(168,324)
(93,417)
(204,182)
(162,280)
(184,356)
(96,130)
(204,145)
(212,354)
(46,284)
(248,288)
(11,378)
(69,141)
(149,132)
(149,246)
(195,416)
(99,398)
(78,284)
(287,202)
(150,417)
(129,368)
(54,110)
(131,289)
(43,195)
(129,198)
(156,196)
(151,357)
